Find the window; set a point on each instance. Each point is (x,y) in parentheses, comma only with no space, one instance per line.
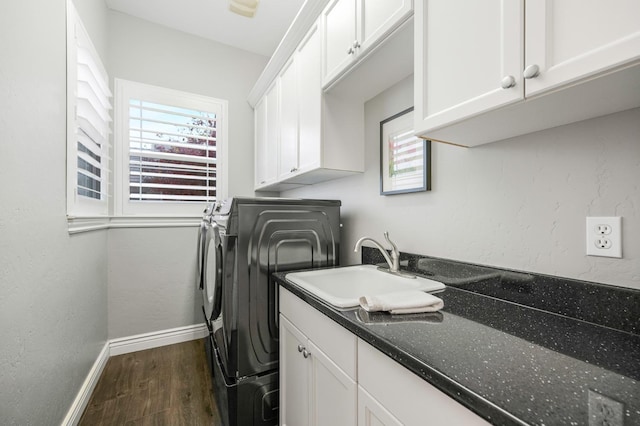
(88,121)
(170,148)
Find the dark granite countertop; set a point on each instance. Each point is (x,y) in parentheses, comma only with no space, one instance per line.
(508,361)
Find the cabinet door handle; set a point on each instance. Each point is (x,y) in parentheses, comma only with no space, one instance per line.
(300,348)
(532,71)
(306,353)
(293,169)
(508,82)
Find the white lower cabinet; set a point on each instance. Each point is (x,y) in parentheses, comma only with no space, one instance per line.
(372,413)
(317,368)
(294,376)
(330,377)
(396,396)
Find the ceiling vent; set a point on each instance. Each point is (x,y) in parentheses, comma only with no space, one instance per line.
(244,7)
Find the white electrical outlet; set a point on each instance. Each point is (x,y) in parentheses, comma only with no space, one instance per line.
(604,236)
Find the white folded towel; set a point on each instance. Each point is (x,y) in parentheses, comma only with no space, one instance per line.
(402,302)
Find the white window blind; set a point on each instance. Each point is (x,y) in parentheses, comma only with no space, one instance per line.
(170,146)
(172,153)
(88,126)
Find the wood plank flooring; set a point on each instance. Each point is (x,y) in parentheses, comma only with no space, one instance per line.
(169,385)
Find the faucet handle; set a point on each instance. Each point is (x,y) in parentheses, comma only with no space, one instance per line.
(395,254)
(393,246)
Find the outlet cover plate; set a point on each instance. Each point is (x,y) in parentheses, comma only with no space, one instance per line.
(604,411)
(604,236)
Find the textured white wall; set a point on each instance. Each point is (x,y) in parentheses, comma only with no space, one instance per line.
(53,287)
(519,203)
(152,270)
(152,278)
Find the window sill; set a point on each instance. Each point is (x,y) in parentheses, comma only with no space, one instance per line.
(79,225)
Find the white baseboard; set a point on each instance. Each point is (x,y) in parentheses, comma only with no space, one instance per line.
(82,399)
(140,342)
(125,345)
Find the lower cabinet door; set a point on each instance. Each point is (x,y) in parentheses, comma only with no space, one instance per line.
(333,392)
(372,413)
(294,376)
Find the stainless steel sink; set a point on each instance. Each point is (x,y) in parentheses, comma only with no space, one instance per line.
(342,287)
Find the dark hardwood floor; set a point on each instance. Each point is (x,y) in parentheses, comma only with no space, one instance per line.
(169,385)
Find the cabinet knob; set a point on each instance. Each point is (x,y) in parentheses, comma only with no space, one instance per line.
(356,45)
(508,82)
(300,348)
(532,71)
(293,169)
(306,353)
(350,51)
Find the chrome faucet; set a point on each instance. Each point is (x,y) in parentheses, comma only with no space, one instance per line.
(393,261)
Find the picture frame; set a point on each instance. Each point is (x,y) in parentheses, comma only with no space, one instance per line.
(405,159)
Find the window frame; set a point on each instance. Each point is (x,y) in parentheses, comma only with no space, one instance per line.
(126,90)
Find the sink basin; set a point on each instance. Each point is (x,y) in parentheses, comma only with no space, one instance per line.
(342,287)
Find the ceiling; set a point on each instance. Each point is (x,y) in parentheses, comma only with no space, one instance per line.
(212,19)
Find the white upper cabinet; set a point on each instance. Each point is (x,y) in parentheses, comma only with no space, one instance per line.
(318,137)
(569,40)
(339,22)
(469,48)
(300,106)
(260,126)
(352,28)
(377,18)
(266,138)
(288,120)
(489,71)
(310,104)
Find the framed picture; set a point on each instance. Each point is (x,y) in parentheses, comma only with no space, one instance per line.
(405,160)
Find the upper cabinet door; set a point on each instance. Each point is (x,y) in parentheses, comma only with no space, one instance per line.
(272,136)
(377,18)
(310,108)
(267,137)
(469,58)
(288,120)
(568,40)
(260,142)
(339,22)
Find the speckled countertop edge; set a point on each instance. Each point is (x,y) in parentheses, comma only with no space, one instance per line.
(474,402)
